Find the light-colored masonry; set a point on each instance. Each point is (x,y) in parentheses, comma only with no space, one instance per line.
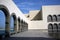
(46,18)
(41,19)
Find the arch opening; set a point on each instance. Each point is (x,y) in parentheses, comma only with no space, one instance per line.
(14,23)
(18,24)
(59,27)
(27,26)
(24,26)
(49,18)
(50,28)
(58,18)
(2,22)
(55,28)
(54,18)
(21,25)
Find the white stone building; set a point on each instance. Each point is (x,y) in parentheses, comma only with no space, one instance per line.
(46,18)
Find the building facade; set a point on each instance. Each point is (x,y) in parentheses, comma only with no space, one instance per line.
(48,18)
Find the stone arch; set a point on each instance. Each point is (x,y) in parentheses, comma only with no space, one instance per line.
(58,17)
(15,22)
(18,24)
(7,19)
(55,27)
(49,18)
(50,27)
(54,18)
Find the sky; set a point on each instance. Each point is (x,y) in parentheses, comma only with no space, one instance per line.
(26,5)
(2,19)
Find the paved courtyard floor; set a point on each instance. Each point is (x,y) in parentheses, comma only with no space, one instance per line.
(32,33)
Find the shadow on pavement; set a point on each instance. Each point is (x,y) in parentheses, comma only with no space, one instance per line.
(27,38)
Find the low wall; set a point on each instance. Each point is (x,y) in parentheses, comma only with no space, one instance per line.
(37,25)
